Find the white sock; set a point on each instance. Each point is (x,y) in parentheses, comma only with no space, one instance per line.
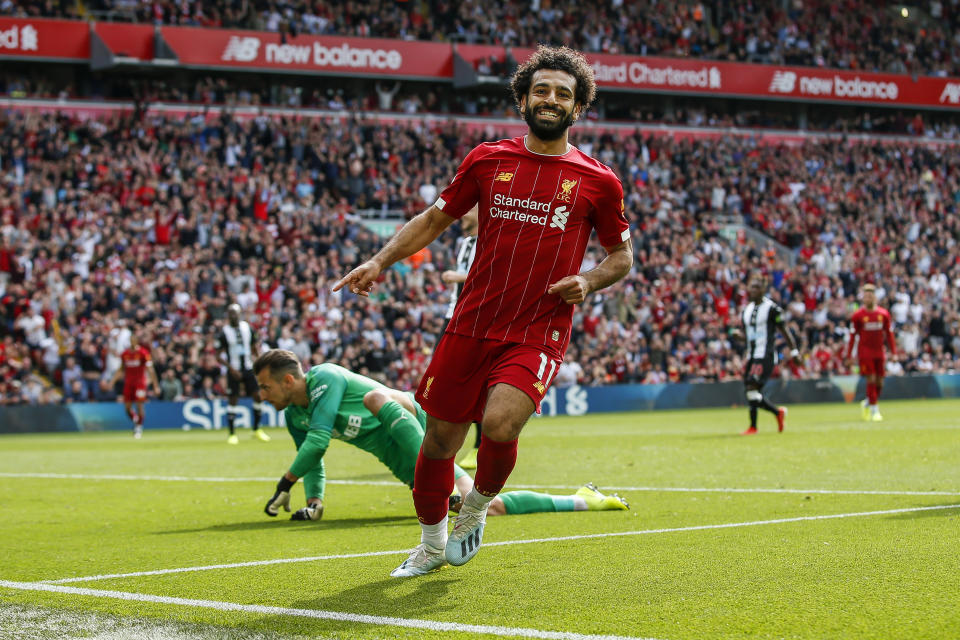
(579,504)
(434,535)
(874,409)
(476,501)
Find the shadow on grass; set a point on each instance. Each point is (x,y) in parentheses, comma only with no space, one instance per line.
(385,477)
(286,523)
(390,597)
(950,509)
(732,435)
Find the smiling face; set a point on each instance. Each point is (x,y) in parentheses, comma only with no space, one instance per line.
(549,108)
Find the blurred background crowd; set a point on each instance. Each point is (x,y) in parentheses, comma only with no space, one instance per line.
(846,34)
(154,224)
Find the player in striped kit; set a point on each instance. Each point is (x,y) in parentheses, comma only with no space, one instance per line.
(539,198)
(870,327)
(762,318)
(238,348)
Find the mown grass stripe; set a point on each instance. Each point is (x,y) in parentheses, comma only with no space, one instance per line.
(506,543)
(393,483)
(337,616)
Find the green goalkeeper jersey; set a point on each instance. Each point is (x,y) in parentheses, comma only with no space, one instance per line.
(336,410)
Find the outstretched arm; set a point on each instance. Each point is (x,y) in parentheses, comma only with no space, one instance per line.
(413,236)
(575,289)
(791,342)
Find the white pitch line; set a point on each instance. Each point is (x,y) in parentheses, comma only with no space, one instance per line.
(337,616)
(393,483)
(505,543)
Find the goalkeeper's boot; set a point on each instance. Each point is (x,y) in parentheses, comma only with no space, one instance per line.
(597,501)
(467,535)
(261,436)
(750,431)
(781,418)
(865,410)
(233,439)
(423,559)
(469,460)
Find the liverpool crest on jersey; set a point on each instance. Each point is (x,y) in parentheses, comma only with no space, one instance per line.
(566,190)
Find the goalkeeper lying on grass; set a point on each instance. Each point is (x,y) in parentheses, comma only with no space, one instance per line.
(332,402)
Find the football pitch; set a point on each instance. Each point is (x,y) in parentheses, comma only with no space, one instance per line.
(835,528)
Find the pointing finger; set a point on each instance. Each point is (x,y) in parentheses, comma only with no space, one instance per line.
(342,281)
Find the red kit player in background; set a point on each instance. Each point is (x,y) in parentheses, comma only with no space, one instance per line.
(539,200)
(871,324)
(135,367)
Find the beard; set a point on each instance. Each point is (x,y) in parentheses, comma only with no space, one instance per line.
(547,131)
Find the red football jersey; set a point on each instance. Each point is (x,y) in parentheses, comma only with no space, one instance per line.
(872,327)
(536,216)
(135,363)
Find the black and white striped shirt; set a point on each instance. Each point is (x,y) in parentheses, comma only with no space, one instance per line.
(760,320)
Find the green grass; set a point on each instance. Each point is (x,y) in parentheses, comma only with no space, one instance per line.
(890,575)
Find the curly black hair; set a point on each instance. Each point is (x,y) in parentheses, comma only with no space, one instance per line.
(558,59)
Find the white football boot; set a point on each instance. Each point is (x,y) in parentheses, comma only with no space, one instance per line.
(466,537)
(423,559)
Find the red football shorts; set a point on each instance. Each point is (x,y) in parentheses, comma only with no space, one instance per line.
(134,391)
(455,385)
(872,366)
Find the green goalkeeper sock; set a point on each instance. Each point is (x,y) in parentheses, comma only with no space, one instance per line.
(517,502)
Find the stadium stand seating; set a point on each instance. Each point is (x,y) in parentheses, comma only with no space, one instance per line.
(852,34)
(156,222)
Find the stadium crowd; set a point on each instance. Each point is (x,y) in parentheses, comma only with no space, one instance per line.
(852,34)
(413,98)
(154,224)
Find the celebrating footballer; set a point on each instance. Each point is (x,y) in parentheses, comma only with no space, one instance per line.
(539,200)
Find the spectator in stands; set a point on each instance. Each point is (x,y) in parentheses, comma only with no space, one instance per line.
(670,315)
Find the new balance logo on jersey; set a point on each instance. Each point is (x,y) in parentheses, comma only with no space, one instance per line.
(504,176)
(559,220)
(783,82)
(241,49)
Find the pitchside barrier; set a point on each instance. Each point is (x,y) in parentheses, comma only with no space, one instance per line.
(201,413)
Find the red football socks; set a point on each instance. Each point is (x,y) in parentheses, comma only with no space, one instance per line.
(871,393)
(432,486)
(495,461)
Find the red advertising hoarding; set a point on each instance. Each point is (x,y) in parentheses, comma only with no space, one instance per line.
(681,75)
(329,55)
(256,50)
(44,39)
(127,40)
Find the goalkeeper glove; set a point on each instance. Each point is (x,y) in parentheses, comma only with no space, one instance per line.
(280,499)
(309,512)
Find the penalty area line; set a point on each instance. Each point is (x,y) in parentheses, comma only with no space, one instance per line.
(505,543)
(574,487)
(336,616)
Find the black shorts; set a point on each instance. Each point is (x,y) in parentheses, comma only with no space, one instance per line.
(758,371)
(247,382)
